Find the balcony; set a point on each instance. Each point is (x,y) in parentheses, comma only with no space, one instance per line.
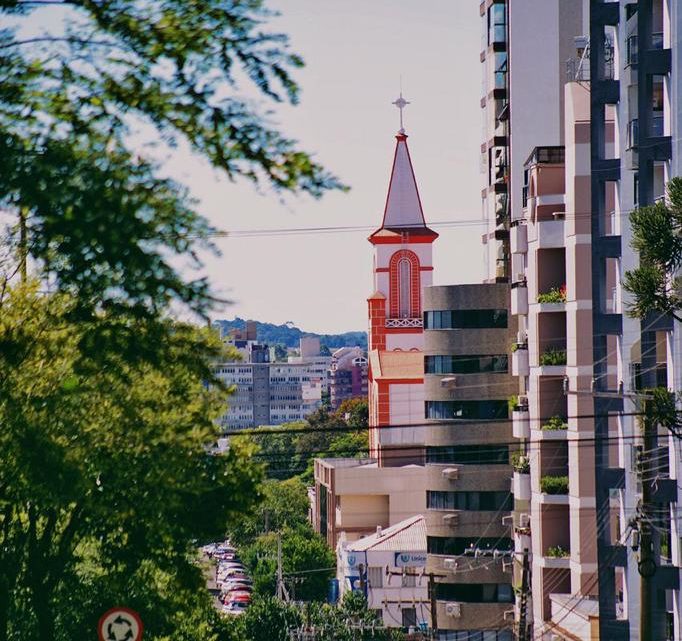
(520,361)
(550,233)
(519,239)
(521,421)
(519,298)
(521,486)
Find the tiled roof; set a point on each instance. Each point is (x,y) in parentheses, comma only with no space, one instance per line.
(408,535)
(397,364)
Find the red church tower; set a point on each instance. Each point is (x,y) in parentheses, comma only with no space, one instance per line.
(403,266)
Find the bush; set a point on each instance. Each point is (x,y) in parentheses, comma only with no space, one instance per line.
(557,552)
(520,462)
(554,295)
(554,484)
(555,423)
(553,356)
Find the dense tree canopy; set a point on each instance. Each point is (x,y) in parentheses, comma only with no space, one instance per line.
(107,478)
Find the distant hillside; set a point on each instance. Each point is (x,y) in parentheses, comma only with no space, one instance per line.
(289,335)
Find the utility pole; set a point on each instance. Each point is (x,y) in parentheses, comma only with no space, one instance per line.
(363,582)
(647,561)
(523,605)
(434,606)
(282,593)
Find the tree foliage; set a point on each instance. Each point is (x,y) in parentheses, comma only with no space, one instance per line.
(351,620)
(289,450)
(107,479)
(76,100)
(657,237)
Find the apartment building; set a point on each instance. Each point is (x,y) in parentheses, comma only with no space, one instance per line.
(347,375)
(582,361)
(468,333)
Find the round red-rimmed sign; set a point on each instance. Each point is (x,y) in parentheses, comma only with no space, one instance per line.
(120,624)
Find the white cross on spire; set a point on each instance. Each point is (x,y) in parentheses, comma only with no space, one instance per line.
(401,103)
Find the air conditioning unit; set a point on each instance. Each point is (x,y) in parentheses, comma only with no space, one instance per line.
(451,473)
(453,609)
(448,382)
(524,520)
(451,519)
(450,564)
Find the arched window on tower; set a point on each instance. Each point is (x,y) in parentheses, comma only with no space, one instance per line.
(405,281)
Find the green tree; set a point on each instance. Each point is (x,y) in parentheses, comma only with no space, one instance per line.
(107,479)
(284,504)
(308,563)
(268,618)
(355,412)
(657,237)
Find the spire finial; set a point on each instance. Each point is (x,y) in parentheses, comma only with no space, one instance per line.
(401,103)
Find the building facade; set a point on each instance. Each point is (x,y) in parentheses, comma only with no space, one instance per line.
(468,384)
(582,360)
(347,375)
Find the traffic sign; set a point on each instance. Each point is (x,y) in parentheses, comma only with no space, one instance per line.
(120,624)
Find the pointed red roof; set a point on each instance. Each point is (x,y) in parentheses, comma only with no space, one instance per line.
(403,212)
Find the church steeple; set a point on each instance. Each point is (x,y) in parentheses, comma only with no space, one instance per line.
(403,212)
(402,258)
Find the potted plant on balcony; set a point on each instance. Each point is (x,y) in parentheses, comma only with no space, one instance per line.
(553,356)
(520,462)
(554,484)
(554,295)
(517,405)
(555,423)
(557,552)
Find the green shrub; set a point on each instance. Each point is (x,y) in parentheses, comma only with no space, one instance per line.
(554,295)
(555,423)
(557,552)
(520,462)
(553,356)
(554,484)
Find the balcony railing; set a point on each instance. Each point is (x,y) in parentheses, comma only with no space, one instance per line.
(632,52)
(404,322)
(633,134)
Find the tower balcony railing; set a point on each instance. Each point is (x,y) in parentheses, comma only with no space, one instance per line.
(404,322)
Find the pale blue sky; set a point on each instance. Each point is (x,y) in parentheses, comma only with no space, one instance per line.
(355,52)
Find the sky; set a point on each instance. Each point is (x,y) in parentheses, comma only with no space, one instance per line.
(356,52)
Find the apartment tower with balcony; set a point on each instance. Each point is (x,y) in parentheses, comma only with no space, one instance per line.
(582,360)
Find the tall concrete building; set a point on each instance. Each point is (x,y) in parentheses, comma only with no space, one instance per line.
(582,361)
(468,382)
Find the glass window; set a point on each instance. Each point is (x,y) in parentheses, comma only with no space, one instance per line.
(466,319)
(469,454)
(466,410)
(497,31)
(466,364)
(473,501)
(458,545)
(375,576)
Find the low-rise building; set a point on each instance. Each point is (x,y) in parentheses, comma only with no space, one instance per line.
(388,566)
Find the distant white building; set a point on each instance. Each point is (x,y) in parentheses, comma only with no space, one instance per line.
(392,562)
(270,393)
